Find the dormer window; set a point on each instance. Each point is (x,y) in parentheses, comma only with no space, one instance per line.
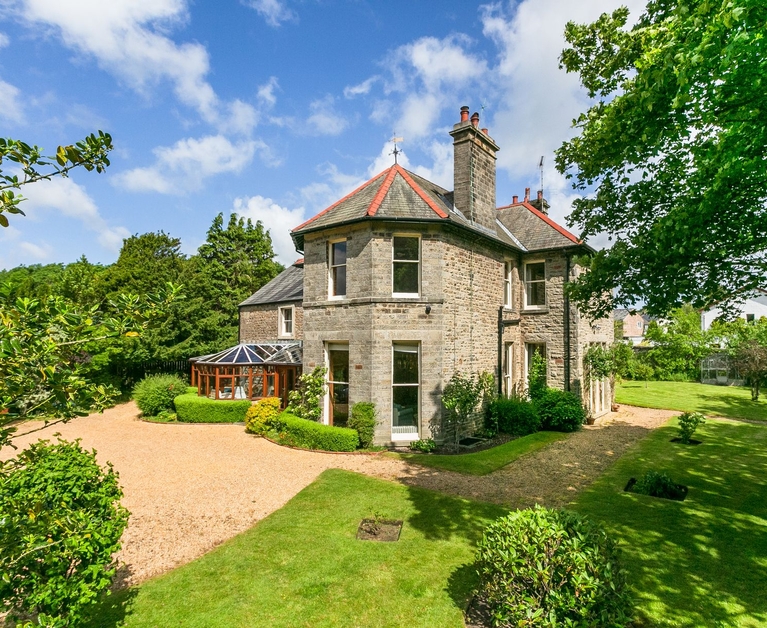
(337,269)
(535,285)
(406,262)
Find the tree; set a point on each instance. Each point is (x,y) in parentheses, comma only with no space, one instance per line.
(674,149)
(746,344)
(90,153)
(679,344)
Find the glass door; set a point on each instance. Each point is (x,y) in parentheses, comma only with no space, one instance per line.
(405,391)
(338,384)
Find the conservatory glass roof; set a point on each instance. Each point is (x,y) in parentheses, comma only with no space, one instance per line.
(249,354)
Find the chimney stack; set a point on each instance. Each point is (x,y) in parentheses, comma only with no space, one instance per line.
(474,170)
(514,199)
(527,195)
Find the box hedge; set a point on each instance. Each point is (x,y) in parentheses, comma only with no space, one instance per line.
(306,434)
(193,409)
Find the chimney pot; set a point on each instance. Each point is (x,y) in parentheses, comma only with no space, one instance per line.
(464,114)
(540,195)
(515,199)
(485,131)
(527,194)
(475,119)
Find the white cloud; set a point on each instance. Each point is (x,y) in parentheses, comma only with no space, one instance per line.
(266,92)
(129,39)
(361,88)
(277,219)
(4,40)
(184,166)
(10,103)
(73,201)
(40,252)
(273,11)
(324,118)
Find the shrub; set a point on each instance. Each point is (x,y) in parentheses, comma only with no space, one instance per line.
(306,400)
(656,484)
(560,411)
(191,389)
(156,393)
(425,445)
(543,567)
(60,524)
(688,423)
(289,429)
(193,409)
(363,419)
(515,416)
(259,416)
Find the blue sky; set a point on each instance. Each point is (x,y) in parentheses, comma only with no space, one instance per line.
(270,108)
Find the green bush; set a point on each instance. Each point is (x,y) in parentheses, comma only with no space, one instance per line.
(515,416)
(291,430)
(259,416)
(425,445)
(156,393)
(543,567)
(363,419)
(193,409)
(306,400)
(191,389)
(536,377)
(688,423)
(560,411)
(60,523)
(656,484)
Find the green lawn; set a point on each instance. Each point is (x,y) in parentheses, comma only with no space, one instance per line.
(489,460)
(303,566)
(726,401)
(701,562)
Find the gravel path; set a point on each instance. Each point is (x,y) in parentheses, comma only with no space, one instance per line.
(191,487)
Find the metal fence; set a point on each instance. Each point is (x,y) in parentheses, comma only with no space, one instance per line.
(129,375)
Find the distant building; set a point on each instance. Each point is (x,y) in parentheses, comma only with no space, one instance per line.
(634,325)
(753,308)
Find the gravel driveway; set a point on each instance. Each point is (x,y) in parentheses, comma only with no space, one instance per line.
(191,487)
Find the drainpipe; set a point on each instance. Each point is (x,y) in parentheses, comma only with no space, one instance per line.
(567,323)
(502,324)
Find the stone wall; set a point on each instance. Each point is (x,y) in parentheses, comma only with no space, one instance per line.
(260,323)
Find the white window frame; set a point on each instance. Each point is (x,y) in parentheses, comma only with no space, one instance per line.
(525,284)
(338,345)
(282,332)
(331,266)
(527,360)
(508,368)
(406,435)
(406,295)
(508,295)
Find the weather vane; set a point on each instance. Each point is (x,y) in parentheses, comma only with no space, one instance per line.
(396,151)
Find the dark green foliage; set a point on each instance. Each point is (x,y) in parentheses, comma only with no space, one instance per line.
(193,409)
(679,345)
(363,419)
(543,567)
(515,416)
(424,445)
(536,377)
(60,523)
(296,432)
(560,411)
(156,393)
(656,484)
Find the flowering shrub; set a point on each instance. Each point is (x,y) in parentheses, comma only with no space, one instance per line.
(259,416)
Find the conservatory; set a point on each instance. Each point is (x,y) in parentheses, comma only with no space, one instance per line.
(248,371)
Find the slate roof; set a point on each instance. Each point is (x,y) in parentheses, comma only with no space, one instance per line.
(534,229)
(287,286)
(399,194)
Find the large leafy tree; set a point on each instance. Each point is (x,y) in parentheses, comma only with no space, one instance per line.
(678,344)
(673,149)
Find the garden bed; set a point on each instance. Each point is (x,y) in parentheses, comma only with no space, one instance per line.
(678,496)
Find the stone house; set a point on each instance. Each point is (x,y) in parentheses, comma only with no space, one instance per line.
(634,325)
(404,283)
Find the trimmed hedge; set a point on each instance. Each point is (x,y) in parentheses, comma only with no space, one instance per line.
(306,434)
(560,411)
(514,416)
(363,420)
(193,409)
(191,389)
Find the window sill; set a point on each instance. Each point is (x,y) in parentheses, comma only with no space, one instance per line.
(537,309)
